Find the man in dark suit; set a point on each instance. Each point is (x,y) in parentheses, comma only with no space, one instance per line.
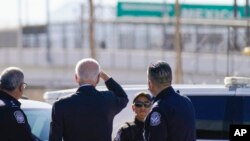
(88,114)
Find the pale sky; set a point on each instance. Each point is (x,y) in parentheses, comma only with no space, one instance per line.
(34,11)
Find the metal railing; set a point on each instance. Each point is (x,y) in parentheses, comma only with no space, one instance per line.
(131,44)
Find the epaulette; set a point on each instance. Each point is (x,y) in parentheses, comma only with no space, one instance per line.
(2,103)
(127,125)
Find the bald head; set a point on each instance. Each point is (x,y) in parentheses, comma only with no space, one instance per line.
(87,71)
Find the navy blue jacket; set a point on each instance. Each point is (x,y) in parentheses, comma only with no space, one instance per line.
(88,114)
(13,122)
(172,118)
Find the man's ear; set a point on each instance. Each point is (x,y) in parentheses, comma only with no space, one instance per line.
(97,79)
(76,78)
(20,88)
(149,84)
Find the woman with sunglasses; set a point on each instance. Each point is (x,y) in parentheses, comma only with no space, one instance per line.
(133,131)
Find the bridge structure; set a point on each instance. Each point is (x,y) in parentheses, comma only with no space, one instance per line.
(127,66)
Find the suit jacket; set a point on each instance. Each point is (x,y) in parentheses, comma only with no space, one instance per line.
(88,114)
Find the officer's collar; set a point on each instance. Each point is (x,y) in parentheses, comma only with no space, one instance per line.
(167,91)
(13,102)
(138,122)
(83,85)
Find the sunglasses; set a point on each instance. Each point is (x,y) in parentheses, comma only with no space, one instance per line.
(139,104)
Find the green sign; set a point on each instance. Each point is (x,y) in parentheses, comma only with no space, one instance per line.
(141,9)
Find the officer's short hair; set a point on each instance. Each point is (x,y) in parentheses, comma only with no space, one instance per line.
(160,73)
(144,94)
(11,78)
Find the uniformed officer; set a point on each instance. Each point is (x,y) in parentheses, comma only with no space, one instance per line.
(172,117)
(88,114)
(133,131)
(13,122)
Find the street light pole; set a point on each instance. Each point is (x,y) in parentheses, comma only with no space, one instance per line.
(164,16)
(82,25)
(19,31)
(247,15)
(48,56)
(235,29)
(91,30)
(235,8)
(178,68)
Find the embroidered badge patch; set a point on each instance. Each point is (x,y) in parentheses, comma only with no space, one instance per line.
(2,103)
(155,119)
(19,117)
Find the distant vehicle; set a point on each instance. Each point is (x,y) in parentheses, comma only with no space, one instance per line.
(39,117)
(216,106)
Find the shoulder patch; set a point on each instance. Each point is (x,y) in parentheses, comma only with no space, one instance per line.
(2,103)
(19,117)
(155,119)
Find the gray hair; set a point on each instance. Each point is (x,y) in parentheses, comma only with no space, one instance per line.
(87,69)
(160,73)
(11,78)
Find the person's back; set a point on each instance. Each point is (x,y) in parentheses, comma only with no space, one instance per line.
(88,114)
(178,112)
(172,117)
(13,121)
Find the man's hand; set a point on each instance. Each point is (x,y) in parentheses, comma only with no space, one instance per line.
(104,76)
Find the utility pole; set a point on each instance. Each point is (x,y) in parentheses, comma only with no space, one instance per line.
(20,31)
(48,56)
(247,15)
(164,17)
(235,28)
(20,28)
(91,30)
(82,25)
(178,67)
(235,8)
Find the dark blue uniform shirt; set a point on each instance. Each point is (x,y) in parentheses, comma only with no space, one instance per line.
(172,118)
(130,131)
(88,114)
(13,122)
